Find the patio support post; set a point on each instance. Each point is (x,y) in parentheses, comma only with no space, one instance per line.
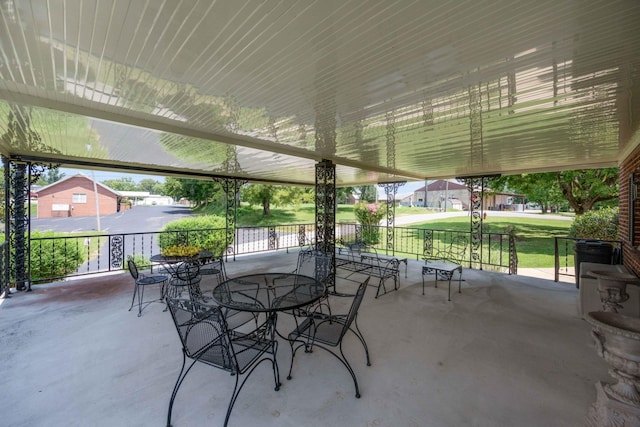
(231,188)
(325,200)
(476,188)
(390,189)
(5,289)
(17,185)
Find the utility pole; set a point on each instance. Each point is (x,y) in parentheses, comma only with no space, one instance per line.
(95,195)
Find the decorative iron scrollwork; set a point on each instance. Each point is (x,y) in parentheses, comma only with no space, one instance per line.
(116,251)
(302,235)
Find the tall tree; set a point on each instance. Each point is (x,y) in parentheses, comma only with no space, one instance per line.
(50,176)
(121,184)
(265,195)
(368,193)
(582,189)
(148,184)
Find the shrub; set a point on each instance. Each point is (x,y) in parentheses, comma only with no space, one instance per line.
(53,257)
(599,224)
(207,232)
(369,215)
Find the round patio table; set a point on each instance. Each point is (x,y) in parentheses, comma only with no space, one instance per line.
(268,292)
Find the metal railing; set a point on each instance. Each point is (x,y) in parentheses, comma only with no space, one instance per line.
(53,258)
(564,254)
(5,281)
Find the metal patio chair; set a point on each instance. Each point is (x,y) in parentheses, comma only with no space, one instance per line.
(187,277)
(319,265)
(329,331)
(207,338)
(141,281)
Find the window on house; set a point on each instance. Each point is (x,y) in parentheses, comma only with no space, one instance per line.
(79,198)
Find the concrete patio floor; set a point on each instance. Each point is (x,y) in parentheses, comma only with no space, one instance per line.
(508,351)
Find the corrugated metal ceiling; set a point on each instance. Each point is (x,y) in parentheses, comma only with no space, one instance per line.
(388,90)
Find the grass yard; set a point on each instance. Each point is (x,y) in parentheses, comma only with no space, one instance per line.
(534,236)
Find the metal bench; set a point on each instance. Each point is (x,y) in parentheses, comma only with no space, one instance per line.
(358,258)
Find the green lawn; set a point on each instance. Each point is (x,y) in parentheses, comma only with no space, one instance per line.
(534,235)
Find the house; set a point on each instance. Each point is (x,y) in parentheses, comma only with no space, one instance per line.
(440,190)
(76,196)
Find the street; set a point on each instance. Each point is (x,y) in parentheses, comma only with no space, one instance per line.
(139,219)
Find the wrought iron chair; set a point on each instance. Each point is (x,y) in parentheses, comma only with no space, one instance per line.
(329,331)
(319,265)
(207,338)
(187,276)
(214,267)
(141,281)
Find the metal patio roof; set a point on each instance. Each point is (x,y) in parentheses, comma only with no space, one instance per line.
(389,91)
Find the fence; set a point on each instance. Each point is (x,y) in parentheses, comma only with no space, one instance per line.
(564,255)
(54,258)
(5,283)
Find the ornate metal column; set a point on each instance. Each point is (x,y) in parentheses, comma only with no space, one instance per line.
(476,188)
(18,221)
(325,206)
(231,188)
(6,253)
(390,189)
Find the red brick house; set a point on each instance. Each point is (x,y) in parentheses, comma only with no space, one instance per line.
(75,196)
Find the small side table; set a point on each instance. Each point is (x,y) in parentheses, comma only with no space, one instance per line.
(445,271)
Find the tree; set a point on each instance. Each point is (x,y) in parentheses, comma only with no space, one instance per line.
(582,189)
(344,194)
(50,176)
(121,184)
(265,195)
(173,188)
(199,191)
(541,188)
(148,184)
(368,193)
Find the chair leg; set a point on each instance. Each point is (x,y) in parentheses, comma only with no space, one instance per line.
(135,292)
(181,377)
(236,389)
(140,300)
(358,334)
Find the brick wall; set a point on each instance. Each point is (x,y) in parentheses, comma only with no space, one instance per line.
(631,254)
(62,194)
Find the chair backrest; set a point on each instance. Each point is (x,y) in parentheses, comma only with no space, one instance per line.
(355,305)
(188,275)
(316,264)
(188,271)
(458,249)
(203,333)
(133,269)
(214,267)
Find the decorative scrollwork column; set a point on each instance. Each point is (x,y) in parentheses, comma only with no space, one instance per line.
(325,206)
(6,253)
(325,201)
(390,190)
(476,188)
(231,188)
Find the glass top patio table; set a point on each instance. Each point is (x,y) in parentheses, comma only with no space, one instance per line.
(268,292)
(173,262)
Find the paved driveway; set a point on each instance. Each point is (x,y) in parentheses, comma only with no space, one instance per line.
(138,219)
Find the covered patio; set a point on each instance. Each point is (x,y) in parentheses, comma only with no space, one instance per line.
(322,94)
(507,351)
